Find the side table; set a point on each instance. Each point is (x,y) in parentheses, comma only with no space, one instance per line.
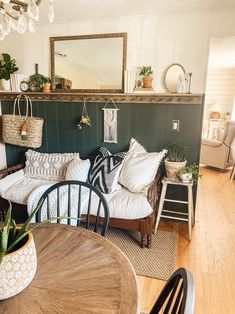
(164,213)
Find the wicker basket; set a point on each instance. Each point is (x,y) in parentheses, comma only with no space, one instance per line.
(12,125)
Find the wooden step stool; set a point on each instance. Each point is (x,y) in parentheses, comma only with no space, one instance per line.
(189,216)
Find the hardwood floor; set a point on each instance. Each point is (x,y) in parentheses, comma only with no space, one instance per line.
(210,255)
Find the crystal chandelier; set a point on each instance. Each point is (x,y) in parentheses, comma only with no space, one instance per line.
(18,15)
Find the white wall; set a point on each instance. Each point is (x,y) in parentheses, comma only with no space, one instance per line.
(220,88)
(155,40)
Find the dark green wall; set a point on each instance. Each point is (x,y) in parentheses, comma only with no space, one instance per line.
(150,124)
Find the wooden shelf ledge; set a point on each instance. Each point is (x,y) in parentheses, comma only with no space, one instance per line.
(196,99)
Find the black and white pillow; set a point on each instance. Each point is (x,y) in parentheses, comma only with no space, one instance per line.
(105,171)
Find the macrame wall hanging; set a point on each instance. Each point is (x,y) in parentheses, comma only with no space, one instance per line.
(85,119)
(110,122)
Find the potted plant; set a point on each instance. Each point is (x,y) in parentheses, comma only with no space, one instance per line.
(7,67)
(176,159)
(18,259)
(189,173)
(146,72)
(46,88)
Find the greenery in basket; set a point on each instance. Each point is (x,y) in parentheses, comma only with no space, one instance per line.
(146,71)
(7,66)
(177,152)
(85,120)
(193,169)
(11,238)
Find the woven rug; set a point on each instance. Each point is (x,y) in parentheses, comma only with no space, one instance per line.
(156,262)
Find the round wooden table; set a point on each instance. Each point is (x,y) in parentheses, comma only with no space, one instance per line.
(78,272)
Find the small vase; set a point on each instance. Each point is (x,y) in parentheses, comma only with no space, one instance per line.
(18,269)
(186,177)
(147,81)
(5,85)
(46,88)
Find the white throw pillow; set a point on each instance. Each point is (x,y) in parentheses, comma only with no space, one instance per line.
(139,168)
(78,170)
(47,166)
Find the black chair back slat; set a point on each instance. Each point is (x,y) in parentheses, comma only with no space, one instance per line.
(97,217)
(69,204)
(172,295)
(88,211)
(58,204)
(82,186)
(178,301)
(178,294)
(79,206)
(48,208)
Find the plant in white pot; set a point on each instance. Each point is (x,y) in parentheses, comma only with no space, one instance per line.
(7,67)
(176,159)
(18,259)
(189,173)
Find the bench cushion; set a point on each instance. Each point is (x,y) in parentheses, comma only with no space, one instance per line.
(18,188)
(122,204)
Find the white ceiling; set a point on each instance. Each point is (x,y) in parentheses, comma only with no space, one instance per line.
(74,10)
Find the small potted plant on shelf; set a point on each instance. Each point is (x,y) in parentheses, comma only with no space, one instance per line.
(18,259)
(176,159)
(46,88)
(189,173)
(7,67)
(146,72)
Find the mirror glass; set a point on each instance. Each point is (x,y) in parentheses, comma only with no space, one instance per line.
(92,63)
(173,77)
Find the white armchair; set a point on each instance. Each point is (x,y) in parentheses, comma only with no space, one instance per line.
(220,154)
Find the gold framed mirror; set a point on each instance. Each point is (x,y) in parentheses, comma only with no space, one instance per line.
(88,63)
(172,77)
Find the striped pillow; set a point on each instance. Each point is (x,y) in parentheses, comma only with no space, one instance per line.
(105,171)
(47,166)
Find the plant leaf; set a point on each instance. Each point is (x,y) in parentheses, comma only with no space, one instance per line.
(27,231)
(5,229)
(12,232)
(27,222)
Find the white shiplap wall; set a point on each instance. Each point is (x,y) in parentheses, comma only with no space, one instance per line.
(220,88)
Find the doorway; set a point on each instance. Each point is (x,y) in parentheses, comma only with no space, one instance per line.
(220,87)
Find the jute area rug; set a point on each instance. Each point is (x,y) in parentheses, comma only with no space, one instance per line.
(156,262)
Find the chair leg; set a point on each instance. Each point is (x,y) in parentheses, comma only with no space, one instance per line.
(143,233)
(162,198)
(149,223)
(143,240)
(149,240)
(190,211)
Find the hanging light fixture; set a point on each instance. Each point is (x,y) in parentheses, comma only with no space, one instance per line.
(18,15)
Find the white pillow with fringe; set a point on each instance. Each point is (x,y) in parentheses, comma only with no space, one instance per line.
(139,168)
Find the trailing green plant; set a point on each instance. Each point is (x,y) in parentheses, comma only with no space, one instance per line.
(7,66)
(146,71)
(177,152)
(194,169)
(11,236)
